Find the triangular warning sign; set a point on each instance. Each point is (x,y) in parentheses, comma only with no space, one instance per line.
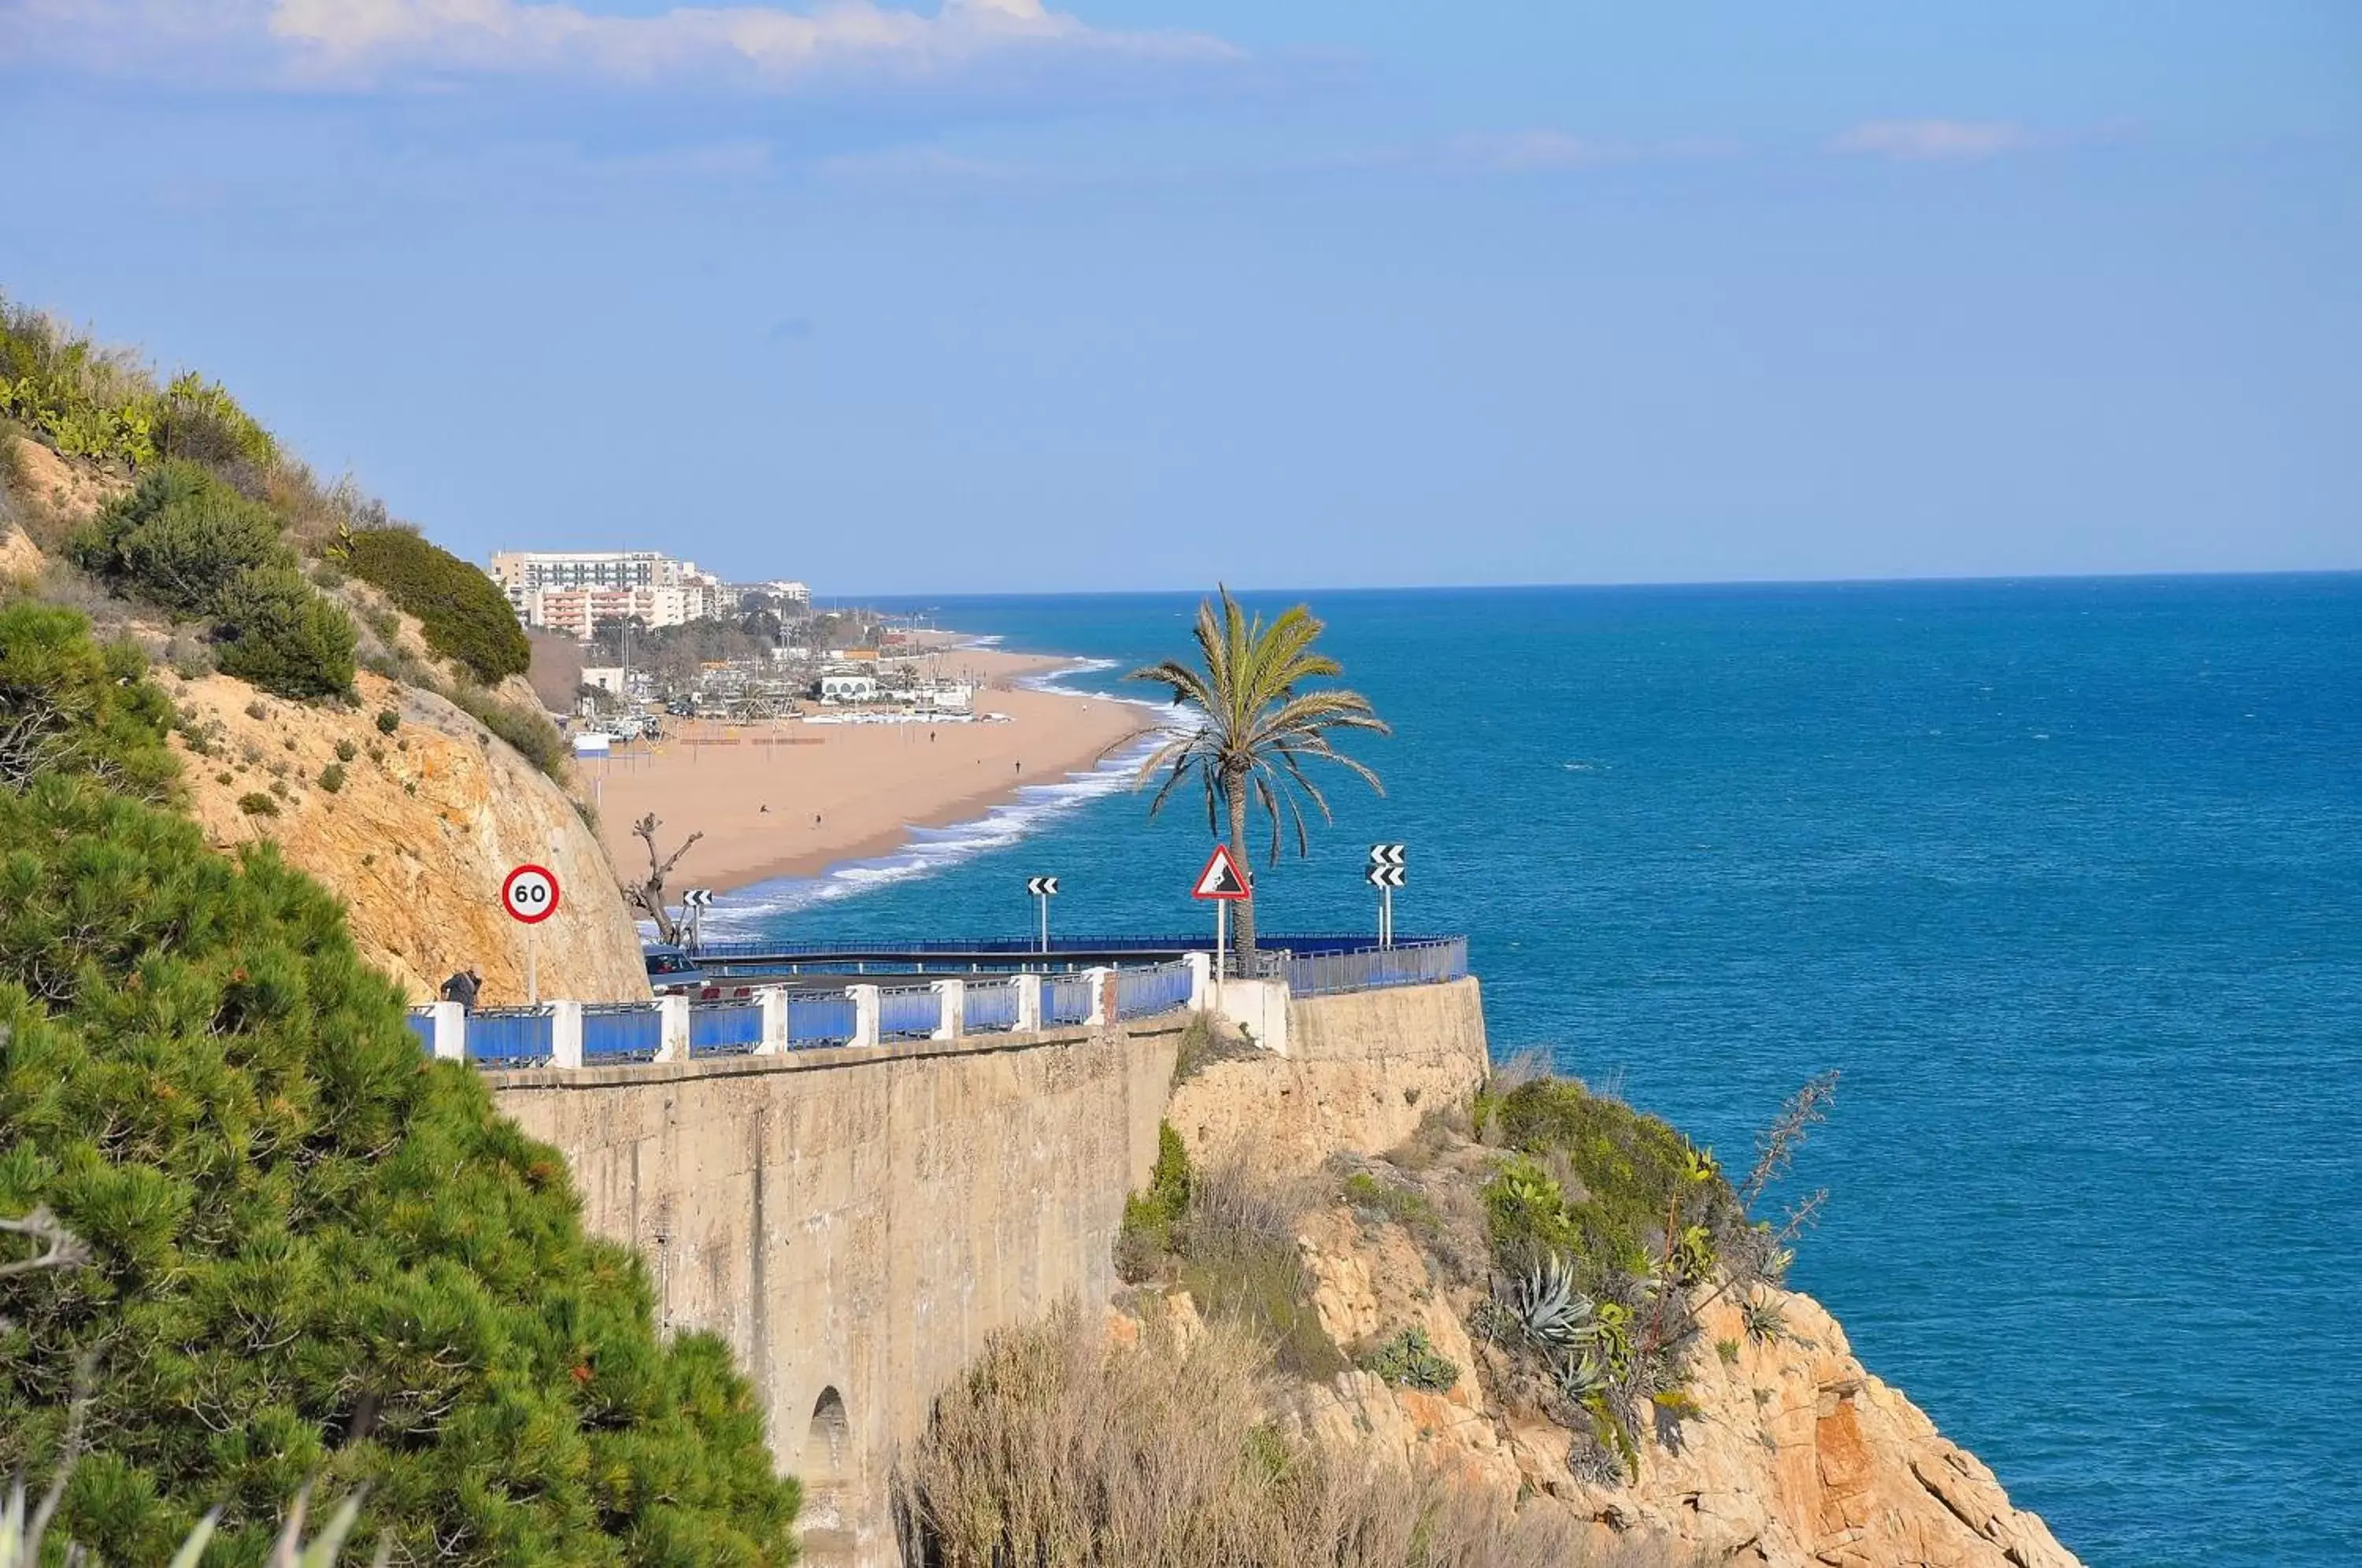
(1221,878)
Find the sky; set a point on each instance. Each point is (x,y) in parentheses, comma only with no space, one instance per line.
(1001,296)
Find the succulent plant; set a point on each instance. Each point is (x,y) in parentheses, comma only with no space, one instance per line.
(1765,1318)
(1551,1311)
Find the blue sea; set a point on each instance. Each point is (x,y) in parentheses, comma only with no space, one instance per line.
(2065,877)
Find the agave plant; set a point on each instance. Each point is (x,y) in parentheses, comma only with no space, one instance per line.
(1766,1321)
(1581,1377)
(1551,1311)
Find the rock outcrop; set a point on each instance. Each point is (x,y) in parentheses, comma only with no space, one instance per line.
(1797,1457)
(424,824)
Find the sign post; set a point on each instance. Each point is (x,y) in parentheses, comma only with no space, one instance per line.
(1385,874)
(1222,883)
(694,904)
(530,895)
(1043,890)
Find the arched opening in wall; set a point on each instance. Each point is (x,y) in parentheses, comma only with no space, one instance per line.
(829,1442)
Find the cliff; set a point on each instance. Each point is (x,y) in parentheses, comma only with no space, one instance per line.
(424,824)
(1787,1453)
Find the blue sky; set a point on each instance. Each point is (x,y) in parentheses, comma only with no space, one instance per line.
(1138,293)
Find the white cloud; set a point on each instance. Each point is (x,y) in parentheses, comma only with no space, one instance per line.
(1935,141)
(364,43)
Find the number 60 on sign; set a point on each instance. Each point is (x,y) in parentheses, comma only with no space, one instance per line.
(530,894)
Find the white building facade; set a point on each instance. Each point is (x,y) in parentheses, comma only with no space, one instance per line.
(571,591)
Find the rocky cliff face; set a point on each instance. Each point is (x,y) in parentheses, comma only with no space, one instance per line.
(1797,1457)
(424,823)
(1793,1456)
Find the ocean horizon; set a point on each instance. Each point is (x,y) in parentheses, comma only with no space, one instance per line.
(2063,873)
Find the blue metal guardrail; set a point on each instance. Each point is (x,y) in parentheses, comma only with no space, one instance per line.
(724,1029)
(1018,949)
(1066,1001)
(989,1008)
(508,1036)
(1374,968)
(909,1012)
(617,1032)
(423,1026)
(818,1019)
(1143,993)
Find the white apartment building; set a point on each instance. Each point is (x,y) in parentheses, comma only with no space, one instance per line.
(572,591)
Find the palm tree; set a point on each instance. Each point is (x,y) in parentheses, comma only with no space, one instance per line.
(1257,728)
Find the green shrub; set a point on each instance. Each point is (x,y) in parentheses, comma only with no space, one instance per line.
(184,540)
(85,400)
(315,1252)
(346,751)
(258,804)
(1151,1217)
(464,613)
(1410,1359)
(197,421)
(1628,1168)
(1406,1205)
(388,722)
(533,736)
(180,540)
(67,705)
(279,634)
(332,778)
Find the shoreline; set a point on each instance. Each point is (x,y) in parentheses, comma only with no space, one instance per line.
(794,801)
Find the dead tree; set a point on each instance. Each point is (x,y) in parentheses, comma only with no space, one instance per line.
(647,897)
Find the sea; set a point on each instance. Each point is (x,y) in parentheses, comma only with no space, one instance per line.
(2063,877)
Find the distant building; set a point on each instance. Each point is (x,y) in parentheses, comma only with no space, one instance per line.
(795,596)
(848,688)
(572,591)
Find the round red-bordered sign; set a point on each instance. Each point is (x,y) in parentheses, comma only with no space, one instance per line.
(530,894)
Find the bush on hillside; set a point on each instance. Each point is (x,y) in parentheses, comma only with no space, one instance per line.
(69,706)
(92,402)
(315,1252)
(533,736)
(464,613)
(189,543)
(276,632)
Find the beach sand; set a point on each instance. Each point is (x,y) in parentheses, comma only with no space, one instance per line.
(793,799)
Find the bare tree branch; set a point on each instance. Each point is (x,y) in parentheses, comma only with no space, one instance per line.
(648,896)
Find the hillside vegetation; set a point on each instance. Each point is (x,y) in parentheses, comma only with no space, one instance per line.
(217,549)
(314,1252)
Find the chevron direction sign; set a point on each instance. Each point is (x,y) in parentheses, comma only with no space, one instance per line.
(697,898)
(1042,887)
(1384,876)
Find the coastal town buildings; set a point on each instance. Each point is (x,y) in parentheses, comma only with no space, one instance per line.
(571,591)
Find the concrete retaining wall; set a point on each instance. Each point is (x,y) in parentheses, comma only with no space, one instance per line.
(857,1221)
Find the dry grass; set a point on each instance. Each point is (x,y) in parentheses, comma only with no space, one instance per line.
(1062,1450)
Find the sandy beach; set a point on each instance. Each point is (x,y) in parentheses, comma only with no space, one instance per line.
(793,799)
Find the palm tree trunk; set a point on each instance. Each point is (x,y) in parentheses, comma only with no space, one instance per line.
(1243,934)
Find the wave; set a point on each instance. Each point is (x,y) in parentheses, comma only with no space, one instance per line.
(749,912)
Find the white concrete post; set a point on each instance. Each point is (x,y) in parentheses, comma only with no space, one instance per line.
(451,1032)
(951,1010)
(773,999)
(673,1031)
(1029,1004)
(1100,1009)
(864,1014)
(566,1034)
(1201,981)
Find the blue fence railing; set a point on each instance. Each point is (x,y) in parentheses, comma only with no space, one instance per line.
(508,1037)
(909,1012)
(1374,968)
(816,1020)
(1066,1001)
(989,1008)
(422,1023)
(724,1029)
(886,957)
(1145,993)
(625,1031)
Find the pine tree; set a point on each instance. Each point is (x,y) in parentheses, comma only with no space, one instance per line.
(317,1253)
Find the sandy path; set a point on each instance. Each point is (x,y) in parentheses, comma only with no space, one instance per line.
(817,795)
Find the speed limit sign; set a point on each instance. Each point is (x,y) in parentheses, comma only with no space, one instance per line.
(530,894)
